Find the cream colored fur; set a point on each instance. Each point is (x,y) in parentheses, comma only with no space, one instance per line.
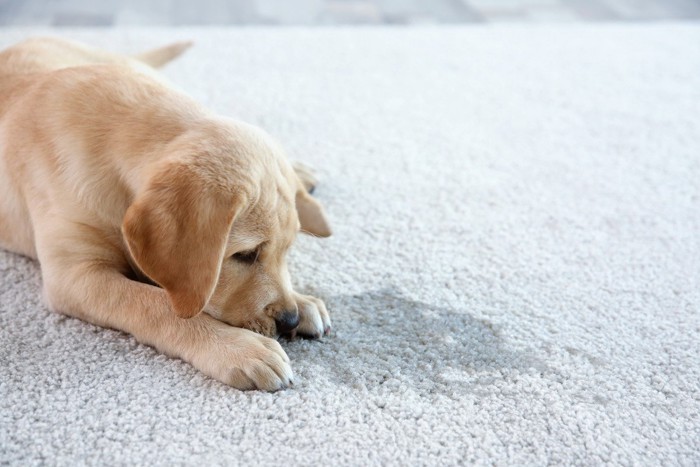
(144,210)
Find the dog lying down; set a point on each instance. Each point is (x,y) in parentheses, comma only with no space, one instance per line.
(149,214)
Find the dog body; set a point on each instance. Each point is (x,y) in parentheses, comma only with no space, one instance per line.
(144,210)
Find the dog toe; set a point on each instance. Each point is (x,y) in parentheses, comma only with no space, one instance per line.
(314,320)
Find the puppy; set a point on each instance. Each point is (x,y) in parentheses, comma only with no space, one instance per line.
(145,210)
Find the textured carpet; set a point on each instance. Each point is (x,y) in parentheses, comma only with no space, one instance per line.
(514,276)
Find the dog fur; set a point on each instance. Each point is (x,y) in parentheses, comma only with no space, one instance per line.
(149,214)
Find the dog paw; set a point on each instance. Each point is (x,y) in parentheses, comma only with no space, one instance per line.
(306,176)
(245,360)
(314,320)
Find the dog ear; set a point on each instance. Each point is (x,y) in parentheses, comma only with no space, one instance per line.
(312,218)
(176,231)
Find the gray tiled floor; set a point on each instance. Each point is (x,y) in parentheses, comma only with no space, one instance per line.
(324,12)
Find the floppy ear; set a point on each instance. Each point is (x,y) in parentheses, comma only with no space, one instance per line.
(176,231)
(312,218)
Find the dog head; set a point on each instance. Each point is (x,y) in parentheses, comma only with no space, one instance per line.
(213,223)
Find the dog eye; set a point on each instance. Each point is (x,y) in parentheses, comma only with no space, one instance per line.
(247,257)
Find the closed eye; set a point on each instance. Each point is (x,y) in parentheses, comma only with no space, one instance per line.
(248,256)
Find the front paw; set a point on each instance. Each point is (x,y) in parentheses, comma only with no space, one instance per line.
(314,320)
(306,176)
(245,360)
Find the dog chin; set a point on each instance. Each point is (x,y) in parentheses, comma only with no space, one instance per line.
(265,328)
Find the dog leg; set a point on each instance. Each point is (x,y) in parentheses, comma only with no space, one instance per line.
(83,279)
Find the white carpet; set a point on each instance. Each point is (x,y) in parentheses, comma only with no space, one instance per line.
(514,276)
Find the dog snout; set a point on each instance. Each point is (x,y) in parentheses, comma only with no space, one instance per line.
(287,320)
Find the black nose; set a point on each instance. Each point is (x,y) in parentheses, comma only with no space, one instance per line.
(287,321)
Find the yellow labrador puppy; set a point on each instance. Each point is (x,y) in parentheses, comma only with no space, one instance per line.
(144,210)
